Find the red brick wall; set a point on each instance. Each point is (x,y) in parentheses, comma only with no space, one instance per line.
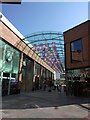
(89,44)
(80,31)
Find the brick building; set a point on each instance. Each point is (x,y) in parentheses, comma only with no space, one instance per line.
(77,52)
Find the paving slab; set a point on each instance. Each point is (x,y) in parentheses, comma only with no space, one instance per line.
(45,105)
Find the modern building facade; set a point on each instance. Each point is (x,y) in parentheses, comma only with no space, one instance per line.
(77,54)
(18,62)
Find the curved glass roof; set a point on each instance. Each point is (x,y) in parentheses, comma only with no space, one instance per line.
(49,46)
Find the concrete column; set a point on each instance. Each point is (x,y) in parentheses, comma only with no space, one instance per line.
(27,74)
(39,73)
(44,73)
(48,73)
(52,76)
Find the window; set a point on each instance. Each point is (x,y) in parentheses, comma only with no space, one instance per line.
(9,58)
(76,46)
(76,50)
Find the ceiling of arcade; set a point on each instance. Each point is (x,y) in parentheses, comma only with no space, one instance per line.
(49,46)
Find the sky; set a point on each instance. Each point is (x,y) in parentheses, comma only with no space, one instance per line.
(30,17)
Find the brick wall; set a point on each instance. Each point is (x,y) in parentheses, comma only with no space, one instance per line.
(80,31)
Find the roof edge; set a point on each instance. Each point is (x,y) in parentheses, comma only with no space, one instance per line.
(12,28)
(10,25)
(77,26)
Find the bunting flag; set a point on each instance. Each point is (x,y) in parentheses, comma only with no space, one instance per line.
(50,59)
(49,54)
(34,47)
(40,47)
(54,45)
(41,54)
(45,55)
(47,46)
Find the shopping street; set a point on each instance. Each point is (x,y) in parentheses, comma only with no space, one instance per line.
(44,104)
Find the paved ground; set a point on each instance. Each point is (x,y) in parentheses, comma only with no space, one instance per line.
(44,104)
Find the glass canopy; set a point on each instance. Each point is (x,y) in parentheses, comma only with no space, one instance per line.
(49,46)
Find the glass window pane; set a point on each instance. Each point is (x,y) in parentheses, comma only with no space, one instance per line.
(9,58)
(76,46)
(13,75)
(6,74)
(76,51)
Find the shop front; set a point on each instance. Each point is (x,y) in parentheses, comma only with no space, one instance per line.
(9,68)
(77,59)
(78,82)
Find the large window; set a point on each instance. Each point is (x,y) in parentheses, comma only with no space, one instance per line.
(76,50)
(76,46)
(9,67)
(9,58)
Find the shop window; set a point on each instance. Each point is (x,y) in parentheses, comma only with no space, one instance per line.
(9,67)
(76,50)
(9,58)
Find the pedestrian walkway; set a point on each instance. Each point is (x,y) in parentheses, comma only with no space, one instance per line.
(44,104)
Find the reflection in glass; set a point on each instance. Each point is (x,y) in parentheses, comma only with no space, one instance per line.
(76,50)
(9,67)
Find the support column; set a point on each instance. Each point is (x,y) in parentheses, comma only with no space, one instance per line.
(27,74)
(20,71)
(41,80)
(31,76)
(46,73)
(52,76)
(43,73)
(39,74)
